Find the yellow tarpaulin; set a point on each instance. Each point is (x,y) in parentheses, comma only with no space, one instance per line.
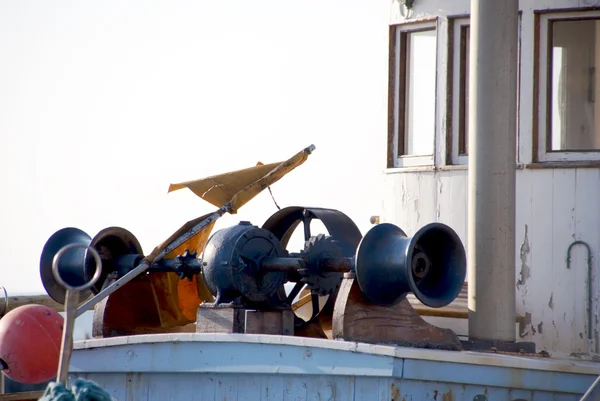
(177,299)
(239,187)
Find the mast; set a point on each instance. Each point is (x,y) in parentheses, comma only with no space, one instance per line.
(492,168)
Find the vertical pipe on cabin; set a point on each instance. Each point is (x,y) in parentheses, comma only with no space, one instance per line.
(492,169)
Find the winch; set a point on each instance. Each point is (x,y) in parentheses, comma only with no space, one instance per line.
(244,279)
(246,266)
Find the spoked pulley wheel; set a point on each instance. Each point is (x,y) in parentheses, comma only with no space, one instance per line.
(342,241)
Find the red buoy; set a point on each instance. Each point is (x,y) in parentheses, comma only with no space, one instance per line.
(30,338)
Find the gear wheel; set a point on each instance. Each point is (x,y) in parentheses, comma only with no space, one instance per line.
(315,250)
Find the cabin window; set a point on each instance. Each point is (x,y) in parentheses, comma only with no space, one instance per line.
(460,90)
(569,114)
(414,106)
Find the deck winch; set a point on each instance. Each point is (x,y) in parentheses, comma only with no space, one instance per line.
(245,266)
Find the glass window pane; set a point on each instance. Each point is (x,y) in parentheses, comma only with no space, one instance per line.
(420,92)
(572,85)
(463,139)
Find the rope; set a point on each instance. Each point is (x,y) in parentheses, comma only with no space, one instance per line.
(82,390)
(272,197)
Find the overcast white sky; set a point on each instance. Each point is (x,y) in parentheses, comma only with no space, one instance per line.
(104,103)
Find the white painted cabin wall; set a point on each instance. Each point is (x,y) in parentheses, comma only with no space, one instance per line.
(555,206)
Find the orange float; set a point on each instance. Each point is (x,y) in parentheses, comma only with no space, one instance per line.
(30,338)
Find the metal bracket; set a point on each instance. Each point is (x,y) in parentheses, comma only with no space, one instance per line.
(589,277)
(406,8)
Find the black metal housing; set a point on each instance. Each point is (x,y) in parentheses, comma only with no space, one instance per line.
(119,250)
(231,264)
(431,264)
(70,264)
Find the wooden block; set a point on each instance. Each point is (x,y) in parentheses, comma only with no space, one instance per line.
(279,322)
(357,319)
(220,319)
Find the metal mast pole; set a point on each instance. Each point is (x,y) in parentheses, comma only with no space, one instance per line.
(492,169)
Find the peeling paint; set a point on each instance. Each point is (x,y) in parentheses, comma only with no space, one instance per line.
(525,270)
(449,396)
(395,393)
(551,302)
(416,202)
(540,327)
(526,324)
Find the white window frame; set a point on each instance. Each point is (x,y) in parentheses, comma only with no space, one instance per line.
(542,107)
(457,25)
(410,160)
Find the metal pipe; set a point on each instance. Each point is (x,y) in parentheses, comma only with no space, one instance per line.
(492,159)
(589,280)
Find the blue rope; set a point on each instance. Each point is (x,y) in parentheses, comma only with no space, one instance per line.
(82,390)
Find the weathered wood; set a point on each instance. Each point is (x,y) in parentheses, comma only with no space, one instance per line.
(220,319)
(278,322)
(313,330)
(356,319)
(20,300)
(24,396)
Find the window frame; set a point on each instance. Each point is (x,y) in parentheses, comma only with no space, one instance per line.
(397,105)
(542,135)
(459,103)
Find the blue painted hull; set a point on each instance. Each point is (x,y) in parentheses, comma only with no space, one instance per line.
(261,367)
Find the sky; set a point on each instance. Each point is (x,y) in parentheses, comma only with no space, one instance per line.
(105,103)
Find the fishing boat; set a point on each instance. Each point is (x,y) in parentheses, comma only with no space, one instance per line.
(477,281)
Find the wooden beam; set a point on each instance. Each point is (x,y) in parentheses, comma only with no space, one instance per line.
(355,318)
(20,300)
(22,396)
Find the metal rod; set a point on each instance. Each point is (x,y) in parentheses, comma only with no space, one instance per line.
(71,301)
(339,265)
(589,279)
(90,303)
(288,265)
(291,265)
(174,265)
(492,171)
(66,349)
(193,231)
(593,393)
